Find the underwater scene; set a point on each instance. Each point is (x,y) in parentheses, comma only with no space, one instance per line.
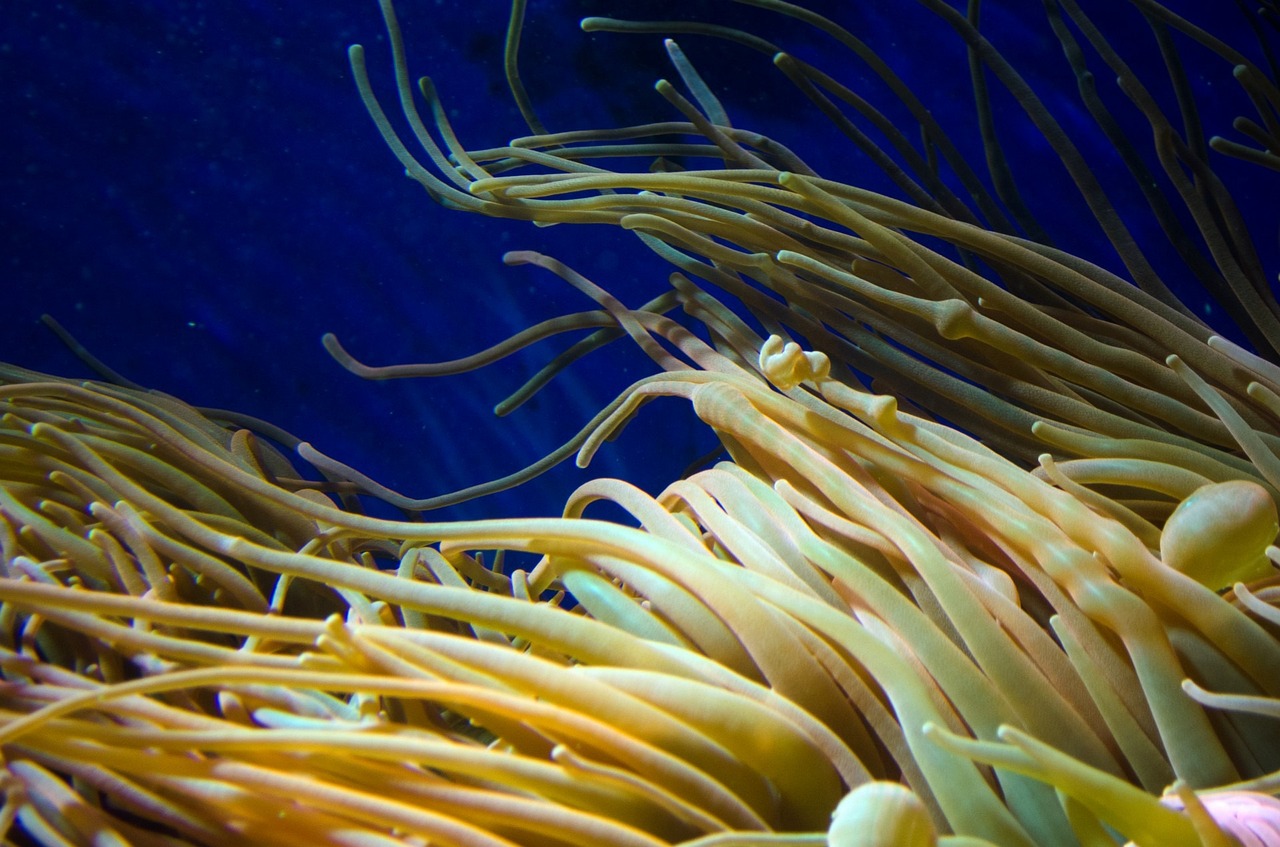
(573,422)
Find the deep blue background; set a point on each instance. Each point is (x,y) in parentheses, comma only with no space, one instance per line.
(195,191)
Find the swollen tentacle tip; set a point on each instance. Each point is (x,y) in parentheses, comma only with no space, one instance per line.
(1248,817)
(883,412)
(879,813)
(1220,533)
(786,365)
(954,319)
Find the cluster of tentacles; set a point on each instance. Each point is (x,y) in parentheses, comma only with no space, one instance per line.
(213,652)
(865,627)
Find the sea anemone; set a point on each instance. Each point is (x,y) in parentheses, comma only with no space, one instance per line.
(986,559)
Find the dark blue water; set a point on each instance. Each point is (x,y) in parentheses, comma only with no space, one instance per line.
(195,191)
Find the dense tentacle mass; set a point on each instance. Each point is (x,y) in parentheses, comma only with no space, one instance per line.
(987,558)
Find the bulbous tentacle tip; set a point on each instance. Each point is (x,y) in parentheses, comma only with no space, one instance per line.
(1248,818)
(879,813)
(1220,533)
(786,365)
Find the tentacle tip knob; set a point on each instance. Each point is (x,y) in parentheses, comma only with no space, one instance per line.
(786,364)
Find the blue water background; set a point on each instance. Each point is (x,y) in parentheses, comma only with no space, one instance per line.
(195,191)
